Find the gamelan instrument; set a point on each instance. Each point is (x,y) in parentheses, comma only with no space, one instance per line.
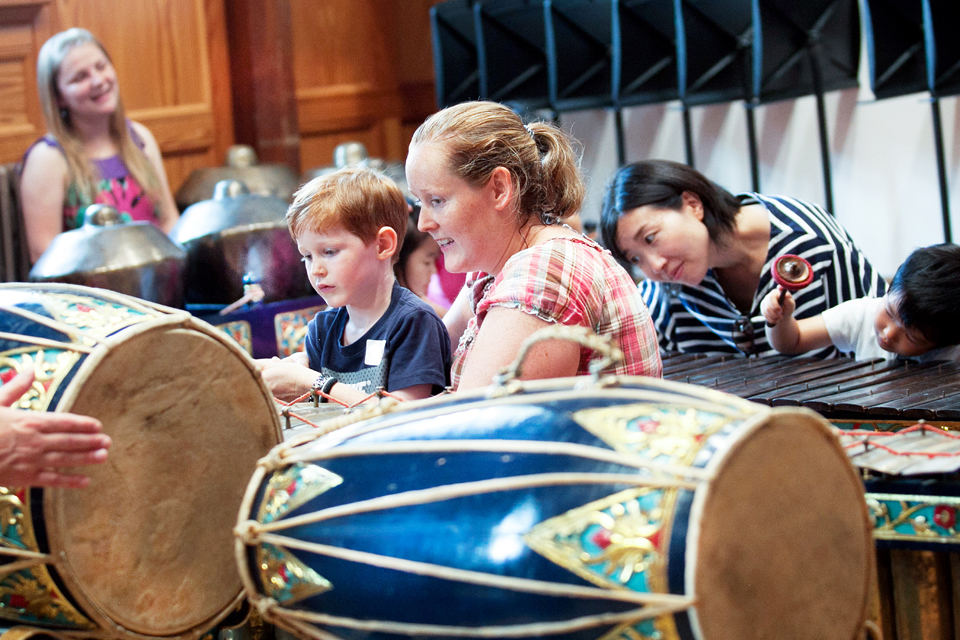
(626,508)
(145,550)
(237,235)
(241,164)
(900,423)
(133,258)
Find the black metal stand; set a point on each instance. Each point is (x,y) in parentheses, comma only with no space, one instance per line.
(941,167)
(621,141)
(813,58)
(752,146)
(688,135)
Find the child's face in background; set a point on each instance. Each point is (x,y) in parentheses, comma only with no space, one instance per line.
(892,336)
(421,266)
(341,267)
(87,82)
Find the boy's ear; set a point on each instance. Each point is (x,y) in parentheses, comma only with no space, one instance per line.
(386,243)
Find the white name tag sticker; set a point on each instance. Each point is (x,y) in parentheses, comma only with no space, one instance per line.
(374,355)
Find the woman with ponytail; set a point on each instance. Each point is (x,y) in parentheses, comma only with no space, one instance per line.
(91,153)
(494,194)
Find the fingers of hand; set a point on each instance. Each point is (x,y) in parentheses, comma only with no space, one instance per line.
(57,459)
(73,443)
(51,478)
(264,364)
(16,387)
(52,423)
(770,307)
(300,358)
(30,450)
(788,303)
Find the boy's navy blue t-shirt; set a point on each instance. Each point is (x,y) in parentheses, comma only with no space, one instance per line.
(408,345)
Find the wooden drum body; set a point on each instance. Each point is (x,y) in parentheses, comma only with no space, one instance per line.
(631,509)
(144,550)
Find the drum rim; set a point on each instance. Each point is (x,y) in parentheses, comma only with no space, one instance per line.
(722,458)
(161,317)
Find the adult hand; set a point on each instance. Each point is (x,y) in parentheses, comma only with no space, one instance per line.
(35,445)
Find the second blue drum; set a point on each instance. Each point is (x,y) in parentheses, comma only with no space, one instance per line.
(635,509)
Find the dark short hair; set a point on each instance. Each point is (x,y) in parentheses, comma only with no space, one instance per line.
(662,183)
(412,241)
(927,289)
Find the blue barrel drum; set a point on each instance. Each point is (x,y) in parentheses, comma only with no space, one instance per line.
(145,551)
(609,509)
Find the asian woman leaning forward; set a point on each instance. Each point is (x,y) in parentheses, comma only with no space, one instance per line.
(494,193)
(707,253)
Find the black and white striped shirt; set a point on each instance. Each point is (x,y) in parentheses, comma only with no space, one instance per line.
(701,319)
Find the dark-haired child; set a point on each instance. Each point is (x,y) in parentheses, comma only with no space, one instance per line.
(417,261)
(349,226)
(917,318)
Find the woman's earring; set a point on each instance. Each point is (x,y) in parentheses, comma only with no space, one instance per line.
(65,114)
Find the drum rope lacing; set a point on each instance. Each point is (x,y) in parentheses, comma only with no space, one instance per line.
(75,333)
(464,489)
(536,629)
(251,532)
(871,439)
(654,604)
(543,447)
(32,559)
(385,401)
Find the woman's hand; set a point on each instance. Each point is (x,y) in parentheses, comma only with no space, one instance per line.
(36,445)
(771,308)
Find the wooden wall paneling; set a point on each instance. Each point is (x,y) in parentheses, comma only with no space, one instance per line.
(346,78)
(158,47)
(410,21)
(24,27)
(220,87)
(317,150)
(180,164)
(261,57)
(364,72)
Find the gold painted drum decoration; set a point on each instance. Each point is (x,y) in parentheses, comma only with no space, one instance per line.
(145,549)
(577,509)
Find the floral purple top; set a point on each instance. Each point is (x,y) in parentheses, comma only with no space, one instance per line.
(116,188)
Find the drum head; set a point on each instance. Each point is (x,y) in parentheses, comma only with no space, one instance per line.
(149,545)
(785,548)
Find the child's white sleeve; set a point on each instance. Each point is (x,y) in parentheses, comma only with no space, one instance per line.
(850,326)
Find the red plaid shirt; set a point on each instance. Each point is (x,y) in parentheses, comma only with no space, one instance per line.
(570,281)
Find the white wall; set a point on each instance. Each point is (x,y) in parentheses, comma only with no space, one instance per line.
(885,187)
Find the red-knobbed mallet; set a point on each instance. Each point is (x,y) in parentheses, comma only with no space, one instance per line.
(792,273)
